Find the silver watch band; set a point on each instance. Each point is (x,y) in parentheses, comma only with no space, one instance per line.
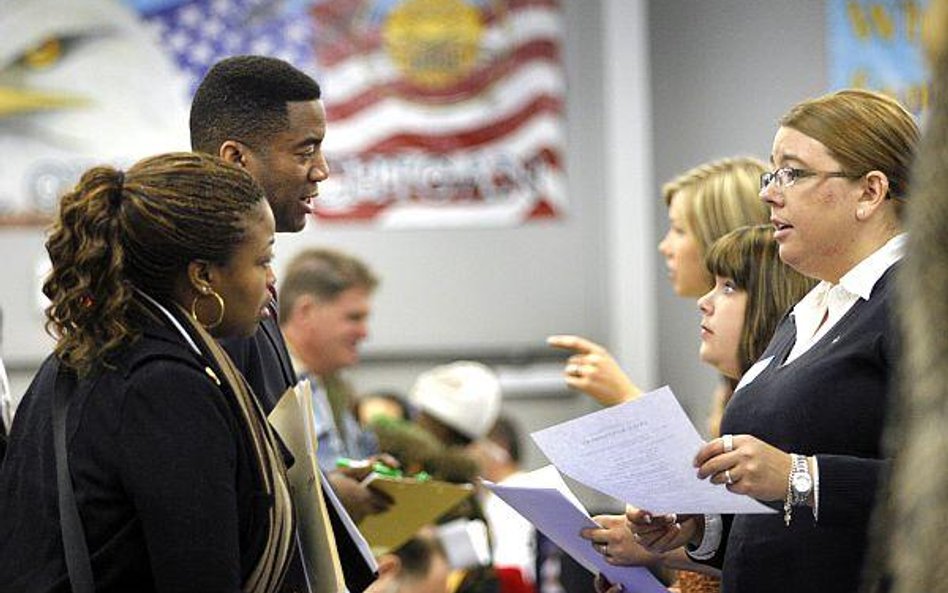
(798,466)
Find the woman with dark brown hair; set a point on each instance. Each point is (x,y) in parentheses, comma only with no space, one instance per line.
(745,263)
(177,479)
(752,290)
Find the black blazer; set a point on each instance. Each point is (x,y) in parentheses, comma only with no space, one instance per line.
(265,362)
(164,474)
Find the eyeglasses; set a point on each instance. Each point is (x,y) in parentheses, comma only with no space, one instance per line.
(786,176)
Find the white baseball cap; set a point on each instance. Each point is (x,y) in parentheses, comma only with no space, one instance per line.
(464,395)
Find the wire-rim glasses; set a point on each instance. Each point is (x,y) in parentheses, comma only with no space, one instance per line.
(785,177)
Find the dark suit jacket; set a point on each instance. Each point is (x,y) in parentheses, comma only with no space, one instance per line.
(265,361)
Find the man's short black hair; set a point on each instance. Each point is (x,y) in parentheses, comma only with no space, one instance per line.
(417,555)
(244,98)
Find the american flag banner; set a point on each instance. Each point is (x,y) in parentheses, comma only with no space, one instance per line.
(442,112)
(199,33)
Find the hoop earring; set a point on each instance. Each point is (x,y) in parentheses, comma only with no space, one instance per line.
(220,303)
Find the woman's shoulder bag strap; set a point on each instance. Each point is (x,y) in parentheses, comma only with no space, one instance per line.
(78,561)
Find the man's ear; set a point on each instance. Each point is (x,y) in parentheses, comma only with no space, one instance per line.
(232,151)
(302,307)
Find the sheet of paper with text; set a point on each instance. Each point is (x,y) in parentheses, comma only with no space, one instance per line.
(641,452)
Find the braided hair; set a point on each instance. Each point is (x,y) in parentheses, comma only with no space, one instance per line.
(119,231)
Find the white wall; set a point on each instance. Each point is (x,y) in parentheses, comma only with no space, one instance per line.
(609,167)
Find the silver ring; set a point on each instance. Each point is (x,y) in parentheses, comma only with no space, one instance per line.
(728,440)
(727,477)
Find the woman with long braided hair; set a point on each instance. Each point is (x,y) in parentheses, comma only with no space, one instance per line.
(176,476)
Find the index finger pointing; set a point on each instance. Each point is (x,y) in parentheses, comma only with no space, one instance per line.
(575,343)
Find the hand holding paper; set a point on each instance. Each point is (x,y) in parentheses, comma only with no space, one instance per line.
(662,533)
(756,468)
(544,499)
(613,539)
(641,452)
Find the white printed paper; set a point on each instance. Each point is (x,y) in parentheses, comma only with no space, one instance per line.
(642,453)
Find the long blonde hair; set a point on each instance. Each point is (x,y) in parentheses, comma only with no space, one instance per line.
(718,197)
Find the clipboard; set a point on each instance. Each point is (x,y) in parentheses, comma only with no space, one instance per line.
(415,503)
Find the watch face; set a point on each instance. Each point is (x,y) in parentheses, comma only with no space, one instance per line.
(802,483)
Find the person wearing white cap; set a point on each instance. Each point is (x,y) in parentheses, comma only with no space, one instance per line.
(458,402)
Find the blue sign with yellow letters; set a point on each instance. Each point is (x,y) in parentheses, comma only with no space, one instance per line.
(876,44)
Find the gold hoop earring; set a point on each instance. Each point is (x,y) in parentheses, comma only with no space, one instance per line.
(220,303)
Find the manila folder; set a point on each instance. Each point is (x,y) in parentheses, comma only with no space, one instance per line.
(293,420)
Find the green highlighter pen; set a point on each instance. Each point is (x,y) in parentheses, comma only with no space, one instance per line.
(377,467)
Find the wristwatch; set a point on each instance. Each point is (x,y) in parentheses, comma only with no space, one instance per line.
(799,486)
(801,482)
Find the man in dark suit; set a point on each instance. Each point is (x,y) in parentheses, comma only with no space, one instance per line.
(265,115)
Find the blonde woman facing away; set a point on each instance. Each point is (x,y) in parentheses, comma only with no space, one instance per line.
(704,204)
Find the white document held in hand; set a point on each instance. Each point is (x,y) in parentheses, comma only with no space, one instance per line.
(543,498)
(642,453)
